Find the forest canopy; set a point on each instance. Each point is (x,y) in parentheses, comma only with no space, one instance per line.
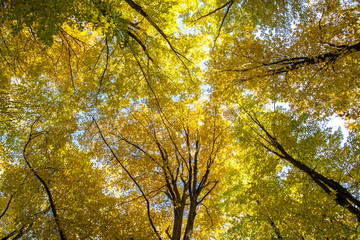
(123,119)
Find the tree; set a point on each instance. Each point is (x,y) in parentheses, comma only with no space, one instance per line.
(181,149)
(342,196)
(154,120)
(312,65)
(283,190)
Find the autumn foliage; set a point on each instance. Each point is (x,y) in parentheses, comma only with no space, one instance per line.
(179,119)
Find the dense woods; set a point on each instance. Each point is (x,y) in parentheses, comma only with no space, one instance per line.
(124,119)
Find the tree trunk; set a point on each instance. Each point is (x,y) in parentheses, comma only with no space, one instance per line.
(190,221)
(178,218)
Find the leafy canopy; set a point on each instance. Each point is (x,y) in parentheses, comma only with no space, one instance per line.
(179,119)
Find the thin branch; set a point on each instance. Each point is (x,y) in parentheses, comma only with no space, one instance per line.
(148,194)
(18,232)
(208,213)
(133,36)
(159,108)
(290,64)
(137,147)
(132,178)
(272,224)
(106,65)
(76,40)
(179,56)
(202,199)
(168,233)
(47,189)
(218,9)
(24,228)
(7,205)
(223,21)
(140,10)
(69,48)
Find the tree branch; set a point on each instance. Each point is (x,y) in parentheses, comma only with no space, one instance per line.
(214,11)
(106,65)
(223,20)
(202,199)
(133,36)
(343,196)
(132,178)
(7,205)
(47,189)
(290,64)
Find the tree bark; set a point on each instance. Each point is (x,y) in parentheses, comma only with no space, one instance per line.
(191,220)
(178,220)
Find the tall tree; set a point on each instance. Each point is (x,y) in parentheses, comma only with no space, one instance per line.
(283,194)
(120,119)
(171,157)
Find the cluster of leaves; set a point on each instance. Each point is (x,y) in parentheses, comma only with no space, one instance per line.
(161,119)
